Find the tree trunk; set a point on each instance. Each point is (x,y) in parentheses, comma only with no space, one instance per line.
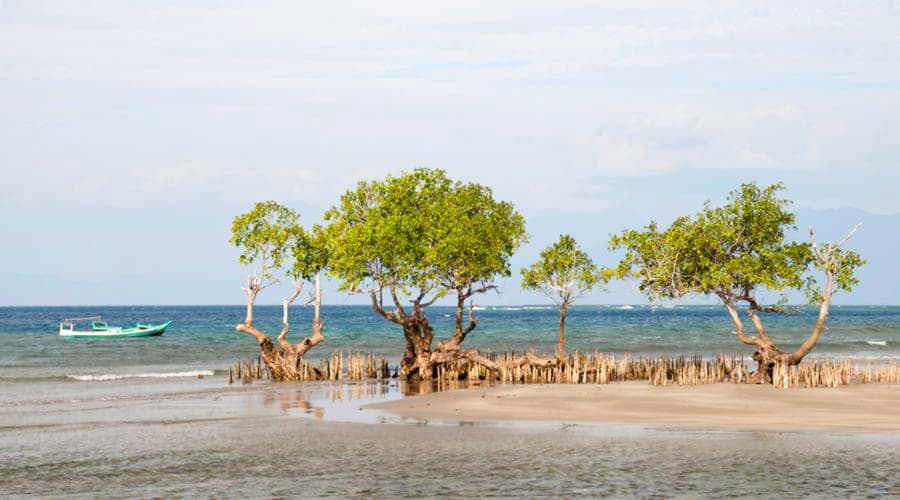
(766,356)
(285,363)
(416,362)
(766,353)
(561,347)
(460,332)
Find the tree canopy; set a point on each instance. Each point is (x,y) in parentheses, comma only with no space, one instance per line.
(731,252)
(421,234)
(735,252)
(271,235)
(563,273)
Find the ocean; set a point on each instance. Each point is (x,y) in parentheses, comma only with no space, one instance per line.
(130,418)
(202,339)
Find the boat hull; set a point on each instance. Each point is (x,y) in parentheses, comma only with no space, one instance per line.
(150,331)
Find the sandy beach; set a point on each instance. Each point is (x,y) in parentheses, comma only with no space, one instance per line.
(859,408)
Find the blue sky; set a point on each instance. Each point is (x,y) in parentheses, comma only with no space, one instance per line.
(133,122)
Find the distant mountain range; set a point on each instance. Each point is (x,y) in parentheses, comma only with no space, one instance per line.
(198,266)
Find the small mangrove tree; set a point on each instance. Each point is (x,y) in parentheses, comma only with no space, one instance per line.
(564,273)
(270,236)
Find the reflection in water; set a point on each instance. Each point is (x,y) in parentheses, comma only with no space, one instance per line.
(334,401)
(344,402)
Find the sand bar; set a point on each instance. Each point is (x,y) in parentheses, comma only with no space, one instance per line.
(859,408)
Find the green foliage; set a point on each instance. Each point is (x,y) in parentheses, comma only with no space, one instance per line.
(729,251)
(841,264)
(478,237)
(310,252)
(271,235)
(421,231)
(563,273)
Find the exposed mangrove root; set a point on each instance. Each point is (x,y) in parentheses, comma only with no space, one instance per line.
(336,367)
(832,374)
(469,367)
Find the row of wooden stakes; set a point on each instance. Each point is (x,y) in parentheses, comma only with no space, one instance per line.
(833,374)
(592,368)
(337,366)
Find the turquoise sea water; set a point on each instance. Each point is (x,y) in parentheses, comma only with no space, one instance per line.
(202,338)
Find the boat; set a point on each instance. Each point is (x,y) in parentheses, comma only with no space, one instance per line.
(100,329)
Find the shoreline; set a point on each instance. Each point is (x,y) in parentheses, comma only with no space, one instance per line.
(858,408)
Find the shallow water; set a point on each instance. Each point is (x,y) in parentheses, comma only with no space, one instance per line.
(202,338)
(200,438)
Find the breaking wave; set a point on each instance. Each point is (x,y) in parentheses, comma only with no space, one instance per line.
(119,376)
(877,342)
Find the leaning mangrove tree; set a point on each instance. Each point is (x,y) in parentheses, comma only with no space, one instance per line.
(564,273)
(738,252)
(410,240)
(271,238)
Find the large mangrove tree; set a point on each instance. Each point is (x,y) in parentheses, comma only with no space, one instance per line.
(740,252)
(410,240)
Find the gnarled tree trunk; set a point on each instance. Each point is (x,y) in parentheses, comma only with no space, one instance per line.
(767,354)
(420,360)
(286,361)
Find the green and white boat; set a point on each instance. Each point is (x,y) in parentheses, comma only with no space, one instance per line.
(99,329)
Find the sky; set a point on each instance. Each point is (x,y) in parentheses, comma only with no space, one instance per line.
(132,132)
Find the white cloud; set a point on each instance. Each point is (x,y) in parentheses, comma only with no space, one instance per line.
(210,101)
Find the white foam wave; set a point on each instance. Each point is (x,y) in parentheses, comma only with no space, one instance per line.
(119,376)
(876,342)
(538,307)
(626,308)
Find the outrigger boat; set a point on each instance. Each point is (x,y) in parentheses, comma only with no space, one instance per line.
(99,329)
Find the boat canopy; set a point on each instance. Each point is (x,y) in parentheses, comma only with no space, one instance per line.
(87,318)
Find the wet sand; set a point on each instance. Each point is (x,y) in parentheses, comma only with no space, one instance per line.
(203,438)
(871,408)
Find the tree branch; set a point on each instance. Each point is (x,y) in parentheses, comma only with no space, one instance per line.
(815,247)
(254,285)
(758,324)
(735,317)
(826,259)
(849,235)
(378,308)
(287,301)
(397,305)
(317,336)
(807,346)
